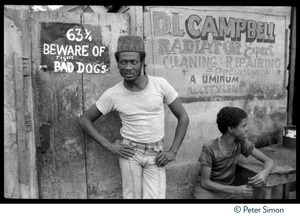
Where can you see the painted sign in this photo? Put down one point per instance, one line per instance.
(211, 55)
(73, 48)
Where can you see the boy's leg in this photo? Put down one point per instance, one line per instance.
(131, 172)
(201, 193)
(154, 180)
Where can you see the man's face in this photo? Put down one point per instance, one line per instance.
(240, 131)
(130, 65)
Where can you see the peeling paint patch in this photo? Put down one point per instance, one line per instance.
(267, 91)
(268, 138)
(45, 137)
(260, 112)
(278, 116)
(71, 143)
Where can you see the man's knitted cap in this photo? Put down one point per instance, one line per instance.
(130, 44)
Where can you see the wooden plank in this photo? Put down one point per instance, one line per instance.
(12, 43)
(148, 35)
(29, 105)
(103, 173)
(21, 137)
(61, 150)
(137, 22)
(43, 117)
(291, 115)
(67, 137)
(133, 20)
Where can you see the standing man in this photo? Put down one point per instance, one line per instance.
(139, 100)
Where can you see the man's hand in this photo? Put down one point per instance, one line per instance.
(122, 150)
(163, 158)
(244, 191)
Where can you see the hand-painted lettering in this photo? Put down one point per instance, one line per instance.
(233, 28)
(71, 54)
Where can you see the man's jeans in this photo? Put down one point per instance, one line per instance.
(141, 178)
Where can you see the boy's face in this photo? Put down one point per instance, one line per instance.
(240, 131)
(130, 65)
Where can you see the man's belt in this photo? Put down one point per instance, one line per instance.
(156, 146)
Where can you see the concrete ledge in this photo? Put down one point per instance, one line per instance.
(181, 179)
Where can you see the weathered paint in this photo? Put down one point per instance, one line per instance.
(70, 163)
(73, 48)
(209, 54)
(61, 150)
(261, 93)
(45, 137)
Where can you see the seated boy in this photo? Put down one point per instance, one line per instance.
(219, 158)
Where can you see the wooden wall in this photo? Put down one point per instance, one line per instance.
(70, 163)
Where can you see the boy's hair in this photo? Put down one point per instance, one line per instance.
(229, 117)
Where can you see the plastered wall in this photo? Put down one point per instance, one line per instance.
(216, 57)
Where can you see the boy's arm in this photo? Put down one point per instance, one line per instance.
(86, 122)
(241, 190)
(183, 120)
(260, 178)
